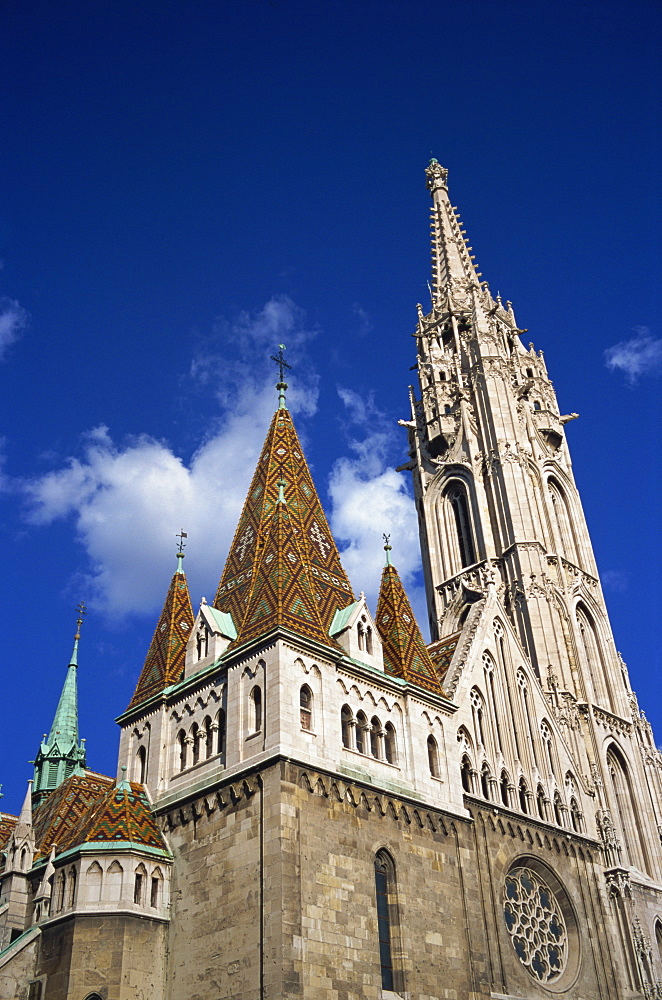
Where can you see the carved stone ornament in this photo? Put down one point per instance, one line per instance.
(437, 176)
(618, 882)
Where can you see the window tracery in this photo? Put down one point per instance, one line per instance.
(536, 924)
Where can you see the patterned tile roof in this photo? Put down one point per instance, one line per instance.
(62, 810)
(7, 824)
(164, 663)
(304, 529)
(405, 652)
(123, 813)
(441, 653)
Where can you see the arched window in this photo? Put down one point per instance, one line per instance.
(195, 740)
(561, 522)
(306, 707)
(658, 940)
(490, 687)
(71, 888)
(465, 773)
(526, 709)
(593, 660)
(220, 733)
(546, 737)
(346, 726)
(94, 882)
(387, 918)
(523, 798)
(114, 877)
(141, 761)
(202, 642)
(368, 640)
(536, 404)
(208, 737)
(139, 885)
(360, 634)
(540, 802)
(375, 737)
(59, 893)
(625, 807)
(433, 757)
(389, 744)
(256, 699)
(361, 732)
(457, 500)
(156, 885)
(504, 784)
(478, 712)
(485, 781)
(183, 749)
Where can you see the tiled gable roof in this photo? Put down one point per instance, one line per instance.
(58, 815)
(441, 653)
(164, 662)
(305, 525)
(123, 813)
(405, 652)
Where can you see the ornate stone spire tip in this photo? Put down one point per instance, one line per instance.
(437, 176)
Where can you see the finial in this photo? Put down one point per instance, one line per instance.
(281, 484)
(436, 175)
(282, 384)
(181, 545)
(82, 611)
(387, 548)
(123, 785)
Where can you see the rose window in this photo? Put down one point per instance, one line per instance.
(535, 924)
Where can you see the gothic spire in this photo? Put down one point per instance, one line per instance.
(164, 662)
(453, 271)
(405, 652)
(291, 539)
(61, 754)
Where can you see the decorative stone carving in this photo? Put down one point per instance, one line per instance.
(437, 176)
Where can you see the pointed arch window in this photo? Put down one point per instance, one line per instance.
(390, 752)
(94, 882)
(183, 749)
(593, 658)
(139, 885)
(575, 816)
(485, 781)
(561, 522)
(71, 888)
(59, 895)
(376, 737)
(208, 737)
(361, 732)
(220, 731)
(540, 802)
(523, 796)
(625, 807)
(346, 726)
(466, 774)
(458, 502)
(156, 885)
(546, 737)
(387, 919)
(256, 700)
(306, 708)
(141, 760)
(115, 875)
(504, 785)
(558, 810)
(195, 741)
(490, 687)
(433, 757)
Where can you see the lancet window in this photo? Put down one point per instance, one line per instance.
(490, 687)
(141, 761)
(561, 522)
(220, 731)
(527, 712)
(457, 504)
(523, 796)
(504, 786)
(71, 888)
(346, 726)
(256, 701)
(306, 707)
(361, 732)
(433, 757)
(540, 802)
(478, 713)
(208, 737)
(547, 742)
(625, 807)
(94, 882)
(387, 918)
(593, 657)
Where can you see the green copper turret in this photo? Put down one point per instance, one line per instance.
(61, 754)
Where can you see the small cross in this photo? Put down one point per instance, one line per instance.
(181, 536)
(281, 362)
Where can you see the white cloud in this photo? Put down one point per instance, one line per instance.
(615, 580)
(13, 320)
(128, 501)
(370, 499)
(365, 322)
(642, 355)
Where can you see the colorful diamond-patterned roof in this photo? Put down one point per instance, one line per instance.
(405, 652)
(7, 824)
(164, 663)
(246, 571)
(123, 813)
(441, 653)
(56, 818)
(282, 592)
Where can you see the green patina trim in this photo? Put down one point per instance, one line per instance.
(223, 621)
(90, 846)
(341, 618)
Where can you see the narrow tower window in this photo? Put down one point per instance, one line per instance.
(457, 499)
(389, 743)
(385, 889)
(306, 707)
(433, 757)
(346, 720)
(142, 764)
(256, 698)
(220, 736)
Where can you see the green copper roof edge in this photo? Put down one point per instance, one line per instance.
(341, 617)
(223, 620)
(91, 846)
(398, 681)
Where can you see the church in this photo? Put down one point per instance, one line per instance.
(310, 800)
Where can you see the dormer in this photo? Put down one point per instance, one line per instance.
(212, 633)
(355, 631)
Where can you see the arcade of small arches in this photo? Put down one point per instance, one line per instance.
(368, 737)
(201, 742)
(140, 884)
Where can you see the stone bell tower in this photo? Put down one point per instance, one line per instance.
(493, 478)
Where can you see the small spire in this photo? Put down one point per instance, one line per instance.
(123, 785)
(181, 545)
(25, 818)
(281, 384)
(387, 548)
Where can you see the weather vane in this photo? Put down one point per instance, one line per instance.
(81, 610)
(281, 362)
(181, 544)
(387, 541)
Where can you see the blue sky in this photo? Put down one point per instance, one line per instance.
(184, 185)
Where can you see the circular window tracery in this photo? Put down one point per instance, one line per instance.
(536, 925)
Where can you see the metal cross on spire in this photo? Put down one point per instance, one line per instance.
(81, 611)
(282, 366)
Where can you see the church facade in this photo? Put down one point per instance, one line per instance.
(313, 802)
